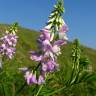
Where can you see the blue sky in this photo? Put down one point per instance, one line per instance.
(80, 16)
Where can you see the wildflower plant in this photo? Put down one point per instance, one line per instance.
(49, 43)
(8, 43)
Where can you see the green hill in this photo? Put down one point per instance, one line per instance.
(27, 42)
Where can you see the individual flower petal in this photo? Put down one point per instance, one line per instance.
(35, 56)
(49, 66)
(46, 45)
(60, 42)
(49, 54)
(3, 46)
(46, 34)
(64, 28)
(41, 80)
(30, 78)
(44, 67)
(33, 79)
(10, 52)
(56, 49)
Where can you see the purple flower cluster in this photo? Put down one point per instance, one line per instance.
(31, 78)
(49, 49)
(8, 44)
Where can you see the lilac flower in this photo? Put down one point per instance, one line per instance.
(9, 39)
(46, 34)
(49, 66)
(2, 48)
(62, 34)
(9, 52)
(49, 54)
(30, 78)
(46, 45)
(52, 50)
(41, 80)
(35, 56)
(33, 79)
(64, 28)
(60, 42)
(44, 67)
(8, 43)
(56, 49)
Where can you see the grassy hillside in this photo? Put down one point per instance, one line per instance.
(27, 42)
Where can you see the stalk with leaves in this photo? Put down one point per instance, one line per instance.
(52, 37)
(48, 46)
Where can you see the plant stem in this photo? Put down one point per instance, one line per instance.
(13, 87)
(41, 86)
(3, 89)
(39, 90)
(51, 94)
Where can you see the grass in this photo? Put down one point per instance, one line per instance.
(11, 79)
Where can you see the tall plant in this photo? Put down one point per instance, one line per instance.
(52, 37)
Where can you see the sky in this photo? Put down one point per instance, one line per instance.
(80, 16)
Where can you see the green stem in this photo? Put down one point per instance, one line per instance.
(13, 89)
(3, 89)
(51, 94)
(39, 90)
(41, 86)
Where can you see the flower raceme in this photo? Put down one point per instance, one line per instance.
(52, 37)
(31, 78)
(47, 54)
(8, 44)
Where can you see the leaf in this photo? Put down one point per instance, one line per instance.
(91, 77)
(84, 74)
